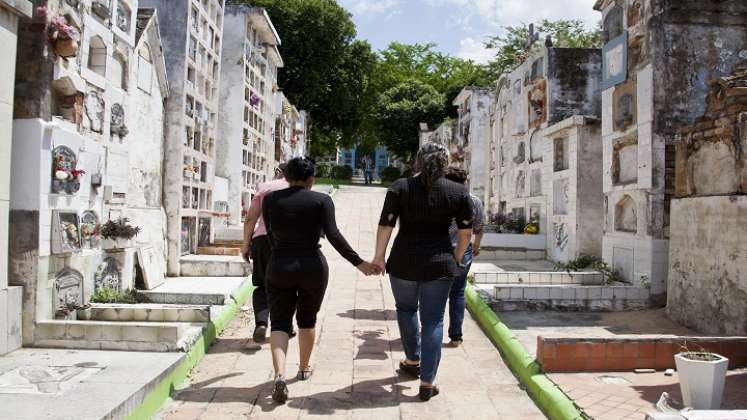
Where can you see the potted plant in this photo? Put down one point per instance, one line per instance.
(702, 376)
(119, 231)
(69, 311)
(83, 312)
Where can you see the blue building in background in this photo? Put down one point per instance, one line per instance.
(382, 158)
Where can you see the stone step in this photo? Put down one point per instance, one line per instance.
(148, 312)
(219, 250)
(588, 278)
(569, 297)
(490, 254)
(214, 266)
(108, 335)
(213, 291)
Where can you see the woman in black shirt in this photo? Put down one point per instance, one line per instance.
(423, 263)
(297, 273)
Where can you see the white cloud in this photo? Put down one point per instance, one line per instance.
(474, 50)
(370, 7)
(514, 12)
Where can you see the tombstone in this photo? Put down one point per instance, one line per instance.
(118, 127)
(150, 263)
(625, 164)
(535, 183)
(534, 213)
(560, 196)
(538, 68)
(560, 236)
(89, 229)
(613, 24)
(520, 183)
(123, 17)
(520, 153)
(94, 106)
(560, 152)
(68, 288)
(65, 174)
(626, 218)
(535, 147)
(537, 101)
(615, 61)
(108, 274)
(65, 232)
(204, 232)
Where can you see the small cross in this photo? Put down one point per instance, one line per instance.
(533, 37)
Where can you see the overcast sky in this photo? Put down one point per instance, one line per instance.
(459, 27)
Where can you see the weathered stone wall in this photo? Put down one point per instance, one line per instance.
(711, 156)
(574, 76)
(708, 270)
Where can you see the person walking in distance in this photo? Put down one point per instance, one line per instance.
(456, 296)
(257, 248)
(297, 275)
(368, 169)
(423, 264)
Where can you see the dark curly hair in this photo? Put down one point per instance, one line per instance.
(456, 174)
(431, 162)
(299, 169)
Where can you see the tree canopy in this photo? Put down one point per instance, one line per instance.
(511, 47)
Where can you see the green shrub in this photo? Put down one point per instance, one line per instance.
(343, 172)
(323, 170)
(390, 174)
(110, 295)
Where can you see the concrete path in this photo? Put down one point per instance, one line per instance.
(356, 356)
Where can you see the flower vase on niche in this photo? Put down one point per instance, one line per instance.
(118, 234)
(65, 175)
(64, 37)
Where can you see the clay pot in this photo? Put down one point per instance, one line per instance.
(66, 47)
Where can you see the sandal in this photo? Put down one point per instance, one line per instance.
(428, 392)
(305, 374)
(280, 391)
(412, 370)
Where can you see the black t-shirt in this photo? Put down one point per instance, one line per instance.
(422, 250)
(297, 217)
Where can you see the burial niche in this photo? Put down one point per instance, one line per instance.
(613, 24)
(535, 147)
(626, 218)
(118, 127)
(65, 232)
(89, 229)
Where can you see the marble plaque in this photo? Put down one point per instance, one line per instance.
(152, 267)
(68, 288)
(615, 61)
(108, 274)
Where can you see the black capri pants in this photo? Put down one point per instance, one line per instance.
(296, 284)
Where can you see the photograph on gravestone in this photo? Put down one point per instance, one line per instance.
(108, 274)
(624, 105)
(68, 288)
(65, 232)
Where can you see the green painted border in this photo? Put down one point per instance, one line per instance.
(164, 389)
(548, 397)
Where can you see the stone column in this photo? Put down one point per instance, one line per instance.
(10, 297)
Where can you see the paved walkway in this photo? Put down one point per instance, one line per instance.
(356, 356)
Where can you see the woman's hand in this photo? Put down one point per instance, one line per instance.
(368, 268)
(246, 252)
(380, 264)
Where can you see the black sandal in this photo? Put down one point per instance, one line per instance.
(280, 391)
(412, 370)
(305, 374)
(428, 392)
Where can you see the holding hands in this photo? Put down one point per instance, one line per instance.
(373, 268)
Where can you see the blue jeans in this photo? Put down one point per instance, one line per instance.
(428, 298)
(456, 298)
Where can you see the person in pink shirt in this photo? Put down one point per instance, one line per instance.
(257, 248)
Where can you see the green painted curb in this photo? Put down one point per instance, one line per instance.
(548, 397)
(164, 389)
